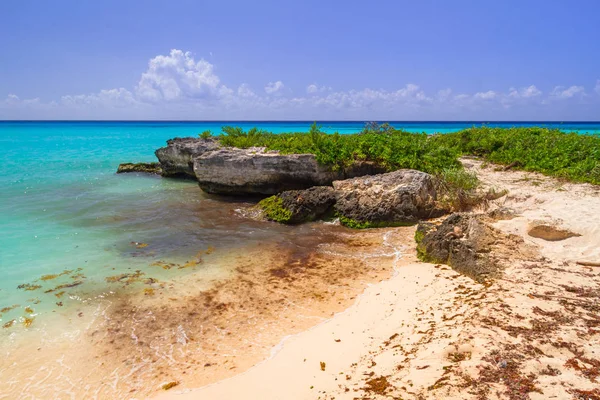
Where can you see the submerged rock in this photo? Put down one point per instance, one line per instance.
(234, 171)
(176, 159)
(149, 168)
(297, 206)
(463, 241)
(400, 197)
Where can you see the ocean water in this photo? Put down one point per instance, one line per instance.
(81, 247)
(64, 208)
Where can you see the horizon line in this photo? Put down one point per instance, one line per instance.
(301, 121)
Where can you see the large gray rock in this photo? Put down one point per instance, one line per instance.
(176, 159)
(300, 205)
(398, 197)
(234, 171)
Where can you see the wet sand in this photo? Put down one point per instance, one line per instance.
(431, 333)
(198, 328)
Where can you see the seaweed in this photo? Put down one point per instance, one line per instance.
(29, 287)
(9, 323)
(170, 385)
(27, 321)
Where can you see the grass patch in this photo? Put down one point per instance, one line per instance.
(571, 156)
(274, 210)
(383, 145)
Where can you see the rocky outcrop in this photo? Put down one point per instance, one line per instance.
(400, 197)
(463, 241)
(234, 171)
(297, 206)
(176, 159)
(149, 168)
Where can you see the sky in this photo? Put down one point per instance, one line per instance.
(301, 60)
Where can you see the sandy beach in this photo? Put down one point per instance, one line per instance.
(431, 333)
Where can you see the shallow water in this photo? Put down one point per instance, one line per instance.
(97, 267)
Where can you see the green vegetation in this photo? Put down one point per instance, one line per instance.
(354, 224)
(381, 144)
(570, 156)
(274, 210)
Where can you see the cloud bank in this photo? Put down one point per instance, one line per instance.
(177, 86)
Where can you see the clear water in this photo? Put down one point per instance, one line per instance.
(64, 208)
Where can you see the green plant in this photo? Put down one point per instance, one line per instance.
(570, 156)
(274, 210)
(206, 134)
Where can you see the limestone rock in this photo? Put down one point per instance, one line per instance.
(463, 241)
(234, 171)
(307, 205)
(149, 168)
(176, 159)
(398, 197)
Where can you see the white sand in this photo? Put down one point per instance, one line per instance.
(435, 334)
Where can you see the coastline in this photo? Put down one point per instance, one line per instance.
(432, 333)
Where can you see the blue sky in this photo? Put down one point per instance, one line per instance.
(388, 60)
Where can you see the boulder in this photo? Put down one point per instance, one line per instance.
(297, 206)
(394, 198)
(176, 159)
(234, 171)
(462, 241)
(149, 168)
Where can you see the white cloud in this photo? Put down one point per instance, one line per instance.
(178, 76)
(177, 85)
(120, 97)
(489, 95)
(566, 93)
(312, 89)
(526, 92)
(274, 87)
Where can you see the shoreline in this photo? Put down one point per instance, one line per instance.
(491, 334)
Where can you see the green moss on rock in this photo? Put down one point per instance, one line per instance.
(274, 210)
(354, 224)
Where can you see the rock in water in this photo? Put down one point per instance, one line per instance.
(149, 168)
(394, 198)
(176, 159)
(234, 171)
(297, 206)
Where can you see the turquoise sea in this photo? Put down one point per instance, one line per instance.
(72, 232)
(63, 206)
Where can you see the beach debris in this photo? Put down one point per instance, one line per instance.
(50, 277)
(9, 323)
(379, 385)
(7, 309)
(169, 385)
(588, 263)
(64, 286)
(27, 321)
(322, 366)
(29, 287)
(127, 278)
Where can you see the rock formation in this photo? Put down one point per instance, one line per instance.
(149, 168)
(398, 197)
(176, 159)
